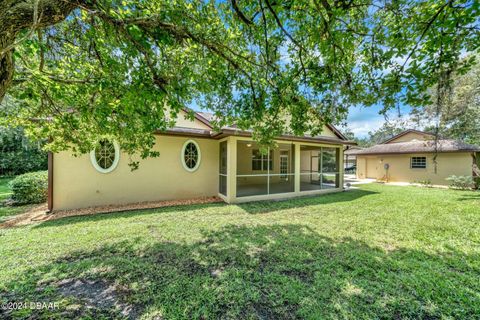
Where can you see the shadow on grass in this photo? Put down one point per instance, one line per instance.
(250, 207)
(276, 205)
(474, 195)
(263, 272)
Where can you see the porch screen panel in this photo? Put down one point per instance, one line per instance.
(261, 173)
(252, 169)
(222, 184)
(310, 168)
(330, 168)
(319, 168)
(282, 177)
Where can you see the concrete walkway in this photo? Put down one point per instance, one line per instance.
(352, 179)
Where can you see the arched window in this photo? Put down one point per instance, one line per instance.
(191, 155)
(105, 156)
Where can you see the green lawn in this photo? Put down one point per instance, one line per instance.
(376, 252)
(4, 188)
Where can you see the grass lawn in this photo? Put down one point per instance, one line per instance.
(375, 252)
(4, 188)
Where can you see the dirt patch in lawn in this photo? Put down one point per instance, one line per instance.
(40, 214)
(35, 213)
(97, 294)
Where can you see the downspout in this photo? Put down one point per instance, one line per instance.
(50, 182)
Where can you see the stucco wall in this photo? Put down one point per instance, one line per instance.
(400, 171)
(182, 121)
(77, 184)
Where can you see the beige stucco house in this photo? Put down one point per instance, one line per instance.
(196, 161)
(410, 157)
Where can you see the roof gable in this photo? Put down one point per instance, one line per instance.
(410, 135)
(199, 122)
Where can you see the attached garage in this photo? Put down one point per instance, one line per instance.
(372, 168)
(414, 156)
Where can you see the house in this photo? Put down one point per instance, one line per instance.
(196, 161)
(350, 157)
(415, 156)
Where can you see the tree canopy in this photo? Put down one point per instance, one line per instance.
(92, 68)
(459, 118)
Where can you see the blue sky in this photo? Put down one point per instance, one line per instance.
(361, 120)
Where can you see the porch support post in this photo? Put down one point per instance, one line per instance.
(341, 167)
(231, 169)
(297, 167)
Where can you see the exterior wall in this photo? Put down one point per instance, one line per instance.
(328, 133)
(412, 136)
(181, 121)
(399, 171)
(77, 184)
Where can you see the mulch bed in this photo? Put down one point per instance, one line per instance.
(39, 213)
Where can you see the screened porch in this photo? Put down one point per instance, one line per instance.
(289, 168)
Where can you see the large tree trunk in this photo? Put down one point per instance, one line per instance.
(16, 16)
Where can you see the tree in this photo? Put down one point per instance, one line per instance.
(18, 154)
(460, 117)
(93, 68)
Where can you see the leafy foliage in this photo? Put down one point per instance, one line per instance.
(30, 187)
(18, 154)
(461, 182)
(124, 68)
(459, 118)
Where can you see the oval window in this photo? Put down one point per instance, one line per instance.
(105, 156)
(191, 155)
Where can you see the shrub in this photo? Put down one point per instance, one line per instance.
(30, 187)
(461, 182)
(424, 183)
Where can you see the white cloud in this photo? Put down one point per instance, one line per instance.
(361, 127)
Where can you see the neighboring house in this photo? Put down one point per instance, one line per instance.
(350, 157)
(195, 161)
(415, 156)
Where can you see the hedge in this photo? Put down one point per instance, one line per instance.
(30, 187)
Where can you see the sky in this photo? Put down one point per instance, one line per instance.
(361, 120)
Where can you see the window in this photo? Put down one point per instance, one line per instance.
(191, 156)
(418, 162)
(105, 156)
(262, 162)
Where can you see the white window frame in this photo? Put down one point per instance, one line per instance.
(411, 162)
(182, 157)
(93, 159)
(263, 157)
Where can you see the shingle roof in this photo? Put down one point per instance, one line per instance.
(352, 150)
(207, 115)
(415, 146)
